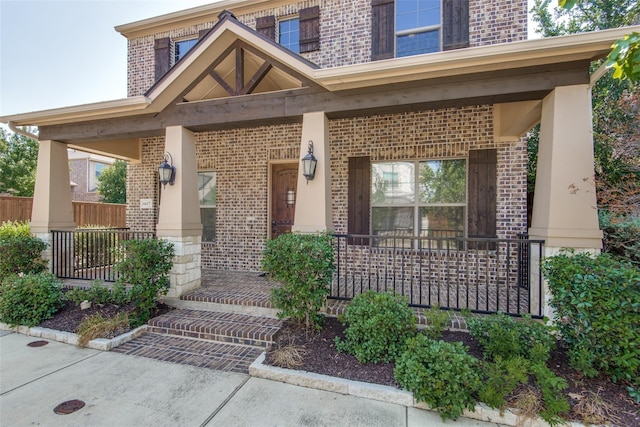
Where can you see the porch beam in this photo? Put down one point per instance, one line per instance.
(290, 105)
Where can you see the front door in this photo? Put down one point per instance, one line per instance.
(284, 179)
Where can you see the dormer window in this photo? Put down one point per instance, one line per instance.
(289, 34)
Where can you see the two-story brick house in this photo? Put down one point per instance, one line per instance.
(415, 109)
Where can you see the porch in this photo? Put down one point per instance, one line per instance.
(454, 273)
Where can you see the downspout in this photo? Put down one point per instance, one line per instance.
(22, 132)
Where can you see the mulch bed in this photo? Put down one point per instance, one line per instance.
(322, 357)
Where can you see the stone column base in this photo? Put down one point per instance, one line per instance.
(185, 275)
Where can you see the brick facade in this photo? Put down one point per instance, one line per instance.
(241, 158)
(345, 33)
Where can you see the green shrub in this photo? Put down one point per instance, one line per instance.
(551, 386)
(437, 322)
(145, 266)
(304, 265)
(377, 327)
(502, 377)
(439, 373)
(597, 307)
(100, 294)
(10, 229)
(21, 254)
(621, 235)
(503, 336)
(30, 299)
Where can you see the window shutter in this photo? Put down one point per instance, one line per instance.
(359, 195)
(309, 29)
(455, 24)
(382, 29)
(482, 193)
(162, 49)
(266, 25)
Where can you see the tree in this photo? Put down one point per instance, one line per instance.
(18, 161)
(625, 53)
(615, 111)
(112, 183)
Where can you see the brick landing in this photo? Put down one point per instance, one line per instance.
(194, 352)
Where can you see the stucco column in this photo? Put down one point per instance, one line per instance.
(52, 207)
(179, 214)
(313, 201)
(564, 208)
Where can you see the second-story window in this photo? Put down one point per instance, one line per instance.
(181, 48)
(418, 24)
(289, 34)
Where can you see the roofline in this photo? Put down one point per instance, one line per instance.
(585, 46)
(194, 15)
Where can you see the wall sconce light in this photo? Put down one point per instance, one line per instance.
(167, 171)
(309, 163)
(291, 197)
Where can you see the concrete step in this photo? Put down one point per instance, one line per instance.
(231, 328)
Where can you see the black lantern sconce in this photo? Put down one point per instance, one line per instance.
(309, 163)
(167, 171)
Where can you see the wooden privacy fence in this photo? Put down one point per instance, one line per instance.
(84, 213)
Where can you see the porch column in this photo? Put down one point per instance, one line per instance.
(179, 213)
(565, 213)
(52, 208)
(313, 201)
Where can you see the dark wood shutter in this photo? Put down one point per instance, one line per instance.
(482, 193)
(266, 25)
(359, 197)
(382, 29)
(309, 29)
(162, 49)
(455, 24)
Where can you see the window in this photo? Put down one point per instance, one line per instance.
(289, 34)
(95, 170)
(417, 27)
(425, 198)
(181, 48)
(207, 190)
(412, 27)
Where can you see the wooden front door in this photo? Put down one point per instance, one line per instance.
(284, 178)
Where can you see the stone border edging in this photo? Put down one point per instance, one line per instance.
(381, 393)
(102, 344)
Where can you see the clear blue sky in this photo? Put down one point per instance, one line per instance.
(57, 53)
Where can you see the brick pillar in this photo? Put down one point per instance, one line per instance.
(179, 215)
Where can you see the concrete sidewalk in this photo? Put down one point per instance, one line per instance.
(122, 391)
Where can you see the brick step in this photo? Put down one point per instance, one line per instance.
(194, 352)
(233, 328)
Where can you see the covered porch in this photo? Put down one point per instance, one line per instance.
(233, 79)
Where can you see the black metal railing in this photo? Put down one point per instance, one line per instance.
(481, 275)
(90, 254)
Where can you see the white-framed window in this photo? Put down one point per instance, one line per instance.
(419, 198)
(207, 193)
(95, 170)
(289, 33)
(418, 26)
(181, 47)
